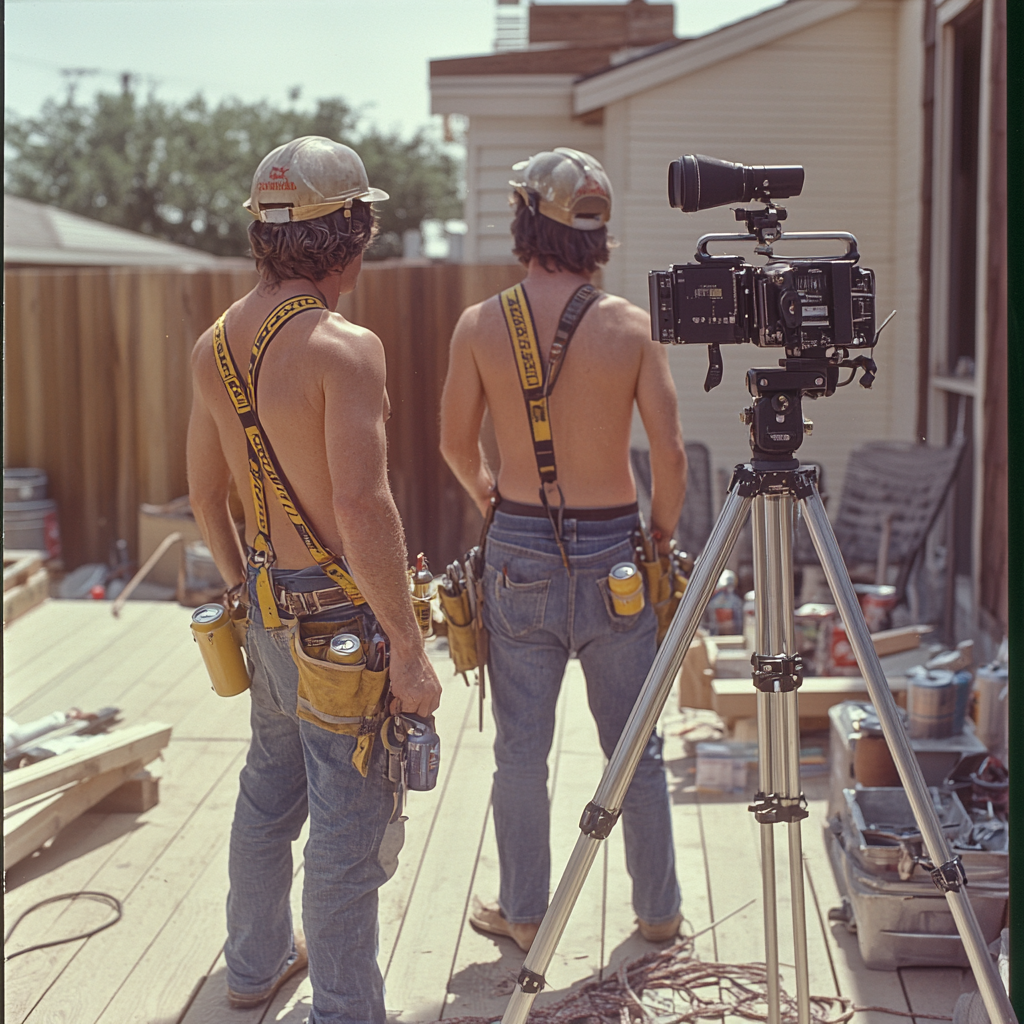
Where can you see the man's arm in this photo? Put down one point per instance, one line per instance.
(659, 410)
(365, 512)
(462, 411)
(209, 483)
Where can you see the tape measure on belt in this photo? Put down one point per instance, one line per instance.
(263, 462)
(538, 383)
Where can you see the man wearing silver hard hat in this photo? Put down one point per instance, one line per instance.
(290, 404)
(564, 514)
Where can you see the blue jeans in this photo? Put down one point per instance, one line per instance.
(293, 769)
(537, 615)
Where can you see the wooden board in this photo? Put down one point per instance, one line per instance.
(99, 755)
(26, 830)
(115, 854)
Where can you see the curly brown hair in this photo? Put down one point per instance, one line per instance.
(556, 246)
(311, 248)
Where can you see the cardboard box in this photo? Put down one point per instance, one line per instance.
(155, 523)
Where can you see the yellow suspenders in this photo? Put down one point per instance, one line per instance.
(263, 462)
(537, 384)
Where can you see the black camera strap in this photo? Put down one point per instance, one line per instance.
(538, 383)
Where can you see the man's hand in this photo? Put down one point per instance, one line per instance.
(414, 685)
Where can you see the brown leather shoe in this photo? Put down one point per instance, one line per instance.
(245, 1001)
(664, 931)
(487, 917)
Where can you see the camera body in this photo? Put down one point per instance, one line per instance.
(798, 304)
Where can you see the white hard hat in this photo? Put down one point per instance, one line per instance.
(316, 176)
(566, 185)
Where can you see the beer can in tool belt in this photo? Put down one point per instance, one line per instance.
(345, 649)
(627, 588)
(422, 752)
(218, 644)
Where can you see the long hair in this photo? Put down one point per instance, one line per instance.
(311, 248)
(556, 246)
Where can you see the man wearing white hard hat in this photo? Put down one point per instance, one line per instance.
(565, 512)
(290, 404)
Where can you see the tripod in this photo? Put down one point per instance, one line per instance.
(768, 488)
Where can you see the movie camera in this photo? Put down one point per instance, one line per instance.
(817, 309)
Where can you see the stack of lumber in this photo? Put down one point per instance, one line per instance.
(41, 798)
(26, 582)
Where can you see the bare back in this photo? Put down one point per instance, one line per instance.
(592, 405)
(293, 411)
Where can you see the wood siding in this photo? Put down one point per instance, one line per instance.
(834, 98)
(493, 145)
(98, 388)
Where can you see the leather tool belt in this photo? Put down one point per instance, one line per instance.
(311, 602)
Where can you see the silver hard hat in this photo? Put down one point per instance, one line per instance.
(316, 176)
(568, 186)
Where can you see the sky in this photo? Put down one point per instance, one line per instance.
(373, 53)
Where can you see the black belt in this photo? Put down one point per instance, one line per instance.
(515, 508)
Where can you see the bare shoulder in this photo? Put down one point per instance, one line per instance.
(480, 319)
(625, 319)
(338, 345)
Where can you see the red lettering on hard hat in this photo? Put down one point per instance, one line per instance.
(278, 172)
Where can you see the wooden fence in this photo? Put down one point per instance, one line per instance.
(98, 388)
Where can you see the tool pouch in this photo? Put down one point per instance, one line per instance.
(661, 588)
(346, 699)
(461, 630)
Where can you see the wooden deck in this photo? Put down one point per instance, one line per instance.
(162, 963)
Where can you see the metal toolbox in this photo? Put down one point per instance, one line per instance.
(908, 924)
(879, 832)
(938, 758)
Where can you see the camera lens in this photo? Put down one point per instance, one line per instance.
(697, 182)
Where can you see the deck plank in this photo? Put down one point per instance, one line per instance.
(933, 990)
(34, 983)
(425, 947)
(51, 681)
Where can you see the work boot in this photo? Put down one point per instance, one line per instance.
(487, 917)
(664, 931)
(245, 1001)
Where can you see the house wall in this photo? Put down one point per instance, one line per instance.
(493, 145)
(841, 98)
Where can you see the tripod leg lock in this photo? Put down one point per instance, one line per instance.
(530, 982)
(596, 822)
(777, 674)
(771, 809)
(950, 877)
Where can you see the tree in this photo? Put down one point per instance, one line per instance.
(181, 172)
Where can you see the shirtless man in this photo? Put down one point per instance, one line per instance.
(322, 407)
(538, 608)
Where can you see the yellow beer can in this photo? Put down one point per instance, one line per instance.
(218, 644)
(345, 649)
(627, 588)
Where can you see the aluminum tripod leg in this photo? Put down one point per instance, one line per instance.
(619, 773)
(778, 740)
(996, 1000)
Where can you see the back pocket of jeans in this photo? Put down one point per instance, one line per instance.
(618, 623)
(518, 608)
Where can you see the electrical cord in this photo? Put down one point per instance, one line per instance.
(100, 897)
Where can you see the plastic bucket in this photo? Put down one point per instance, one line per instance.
(24, 485)
(32, 526)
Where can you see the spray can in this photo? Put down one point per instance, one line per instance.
(421, 594)
(345, 649)
(422, 751)
(218, 643)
